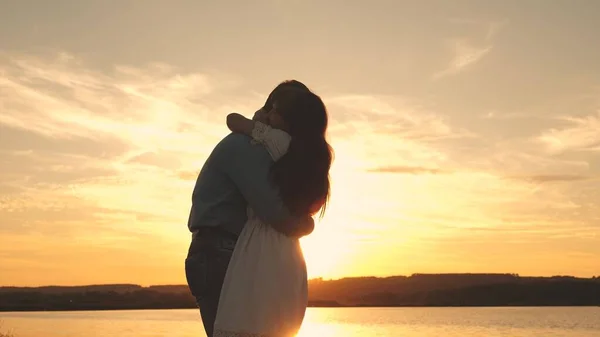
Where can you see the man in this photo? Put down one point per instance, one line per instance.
(235, 175)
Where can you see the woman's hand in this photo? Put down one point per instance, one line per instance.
(306, 226)
(261, 116)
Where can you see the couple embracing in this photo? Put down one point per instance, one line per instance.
(256, 195)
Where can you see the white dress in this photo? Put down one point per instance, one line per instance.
(265, 292)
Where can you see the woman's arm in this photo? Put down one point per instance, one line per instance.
(240, 124)
(276, 141)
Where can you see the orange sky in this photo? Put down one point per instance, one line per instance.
(467, 137)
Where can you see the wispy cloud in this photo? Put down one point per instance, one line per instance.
(467, 51)
(96, 154)
(63, 98)
(579, 134)
(407, 170)
(465, 54)
(549, 178)
(188, 175)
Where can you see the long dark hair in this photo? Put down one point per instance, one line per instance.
(285, 85)
(302, 174)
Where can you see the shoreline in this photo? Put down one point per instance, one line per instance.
(323, 307)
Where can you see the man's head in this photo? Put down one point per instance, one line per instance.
(285, 85)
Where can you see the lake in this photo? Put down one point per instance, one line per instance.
(323, 322)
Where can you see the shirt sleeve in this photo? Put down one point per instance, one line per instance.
(248, 166)
(276, 141)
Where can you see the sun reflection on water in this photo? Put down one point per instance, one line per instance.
(312, 329)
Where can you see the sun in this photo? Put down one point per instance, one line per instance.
(322, 259)
(330, 249)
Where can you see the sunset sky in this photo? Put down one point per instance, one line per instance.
(467, 133)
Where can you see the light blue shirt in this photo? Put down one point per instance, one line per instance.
(235, 175)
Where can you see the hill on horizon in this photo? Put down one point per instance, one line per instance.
(423, 278)
(413, 290)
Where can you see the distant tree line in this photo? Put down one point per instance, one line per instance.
(557, 293)
(94, 300)
(414, 290)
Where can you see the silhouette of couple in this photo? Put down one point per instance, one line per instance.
(255, 196)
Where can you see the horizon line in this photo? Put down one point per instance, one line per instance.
(311, 279)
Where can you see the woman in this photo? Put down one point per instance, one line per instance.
(265, 288)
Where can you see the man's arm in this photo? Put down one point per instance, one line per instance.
(248, 166)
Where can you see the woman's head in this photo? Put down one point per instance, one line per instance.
(302, 174)
(285, 85)
(300, 113)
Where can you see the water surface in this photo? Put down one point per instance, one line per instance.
(323, 322)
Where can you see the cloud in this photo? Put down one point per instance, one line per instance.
(64, 99)
(397, 116)
(389, 131)
(89, 160)
(91, 151)
(407, 170)
(421, 198)
(549, 178)
(579, 134)
(466, 51)
(465, 55)
(157, 159)
(188, 175)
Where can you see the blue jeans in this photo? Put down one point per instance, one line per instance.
(205, 267)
